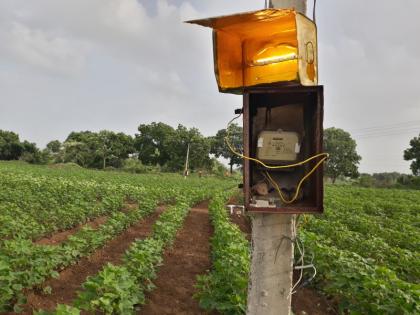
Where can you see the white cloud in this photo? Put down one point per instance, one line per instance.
(47, 51)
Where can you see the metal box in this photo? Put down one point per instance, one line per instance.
(272, 46)
(296, 109)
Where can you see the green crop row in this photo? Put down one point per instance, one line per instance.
(366, 249)
(224, 288)
(36, 201)
(385, 206)
(405, 263)
(24, 264)
(35, 206)
(367, 225)
(118, 289)
(360, 286)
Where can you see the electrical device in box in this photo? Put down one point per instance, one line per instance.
(278, 146)
(283, 126)
(263, 47)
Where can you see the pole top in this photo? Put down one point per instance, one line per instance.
(298, 5)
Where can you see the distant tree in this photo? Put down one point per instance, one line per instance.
(219, 147)
(343, 159)
(80, 147)
(114, 148)
(386, 179)
(54, 146)
(151, 143)
(161, 144)
(29, 147)
(53, 152)
(30, 152)
(217, 167)
(366, 180)
(413, 154)
(10, 146)
(97, 150)
(77, 152)
(177, 146)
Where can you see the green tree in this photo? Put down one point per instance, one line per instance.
(54, 146)
(366, 180)
(53, 152)
(219, 147)
(160, 144)
(77, 152)
(114, 148)
(151, 143)
(413, 154)
(31, 153)
(177, 146)
(97, 150)
(10, 146)
(80, 147)
(217, 167)
(343, 160)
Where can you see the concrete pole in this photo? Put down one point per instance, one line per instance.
(271, 278)
(298, 5)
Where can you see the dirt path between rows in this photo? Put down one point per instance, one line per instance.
(64, 288)
(189, 257)
(61, 236)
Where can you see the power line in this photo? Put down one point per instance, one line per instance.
(411, 123)
(386, 133)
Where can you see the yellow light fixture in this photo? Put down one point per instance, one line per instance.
(263, 47)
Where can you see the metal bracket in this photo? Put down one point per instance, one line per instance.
(232, 209)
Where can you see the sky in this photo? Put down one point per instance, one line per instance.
(114, 64)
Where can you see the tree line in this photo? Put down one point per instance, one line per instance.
(162, 147)
(156, 145)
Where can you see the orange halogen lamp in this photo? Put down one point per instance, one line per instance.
(263, 47)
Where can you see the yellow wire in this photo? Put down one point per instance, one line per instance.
(325, 156)
(298, 186)
(260, 162)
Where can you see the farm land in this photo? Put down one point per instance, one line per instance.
(78, 241)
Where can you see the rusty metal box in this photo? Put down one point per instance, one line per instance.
(296, 109)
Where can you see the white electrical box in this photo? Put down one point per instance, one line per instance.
(277, 146)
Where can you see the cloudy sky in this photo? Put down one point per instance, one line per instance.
(112, 64)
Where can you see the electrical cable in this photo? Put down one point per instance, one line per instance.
(326, 155)
(299, 184)
(302, 257)
(284, 200)
(413, 123)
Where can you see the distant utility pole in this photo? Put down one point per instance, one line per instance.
(271, 276)
(187, 162)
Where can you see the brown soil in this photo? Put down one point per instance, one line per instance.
(308, 301)
(60, 237)
(64, 288)
(129, 205)
(189, 257)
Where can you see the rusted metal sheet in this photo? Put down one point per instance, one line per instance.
(263, 47)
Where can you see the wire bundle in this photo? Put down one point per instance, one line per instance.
(270, 179)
